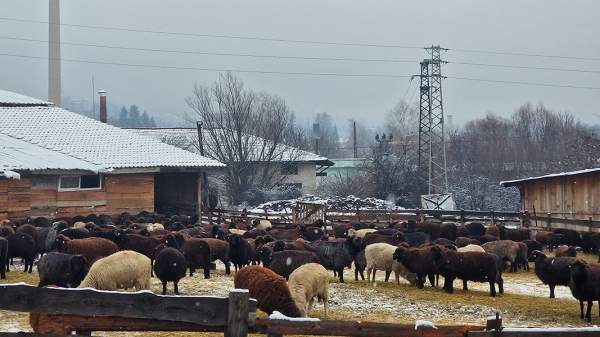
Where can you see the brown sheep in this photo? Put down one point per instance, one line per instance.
(493, 230)
(372, 238)
(270, 290)
(418, 261)
(285, 234)
(548, 238)
(563, 250)
(91, 248)
(219, 250)
(463, 241)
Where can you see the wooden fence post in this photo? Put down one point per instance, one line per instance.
(462, 216)
(590, 219)
(494, 323)
(493, 217)
(549, 220)
(237, 313)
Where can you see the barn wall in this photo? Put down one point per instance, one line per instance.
(177, 192)
(573, 197)
(131, 193)
(15, 198)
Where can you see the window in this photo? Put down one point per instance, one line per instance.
(289, 169)
(75, 183)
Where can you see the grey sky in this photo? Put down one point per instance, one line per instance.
(544, 27)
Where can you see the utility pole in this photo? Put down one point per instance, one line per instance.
(432, 145)
(54, 86)
(354, 139)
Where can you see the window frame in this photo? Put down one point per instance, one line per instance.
(288, 167)
(74, 189)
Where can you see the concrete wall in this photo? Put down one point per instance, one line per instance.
(307, 176)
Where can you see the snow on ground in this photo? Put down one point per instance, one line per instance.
(349, 203)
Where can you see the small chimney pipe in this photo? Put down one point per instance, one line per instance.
(103, 115)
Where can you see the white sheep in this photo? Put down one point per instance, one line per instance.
(360, 233)
(236, 231)
(470, 248)
(121, 270)
(151, 227)
(264, 225)
(79, 225)
(307, 282)
(379, 256)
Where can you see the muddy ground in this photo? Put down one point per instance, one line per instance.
(525, 302)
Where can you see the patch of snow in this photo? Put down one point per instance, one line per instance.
(348, 203)
(422, 324)
(279, 316)
(10, 174)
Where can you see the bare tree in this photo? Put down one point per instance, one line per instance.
(247, 131)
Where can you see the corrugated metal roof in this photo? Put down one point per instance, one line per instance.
(553, 175)
(89, 140)
(187, 138)
(9, 98)
(16, 154)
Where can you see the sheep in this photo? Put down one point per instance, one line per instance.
(240, 251)
(121, 270)
(470, 248)
(3, 257)
(508, 250)
(63, 270)
(285, 234)
(360, 264)
(196, 252)
(254, 233)
(235, 231)
(285, 262)
(28, 229)
(570, 237)
(152, 227)
(307, 282)
(585, 285)
(475, 228)
(514, 234)
(553, 271)
(563, 250)
(416, 239)
(312, 233)
(22, 245)
(448, 230)
(262, 224)
(40, 243)
(469, 266)
(380, 257)
(79, 225)
(298, 244)
(219, 250)
(533, 245)
(418, 261)
(336, 255)
(360, 233)
(372, 238)
(53, 232)
(340, 230)
(493, 230)
(6, 231)
(169, 265)
(444, 242)
(462, 241)
(118, 236)
(432, 229)
(91, 248)
(269, 289)
(75, 233)
(549, 239)
(523, 255)
(143, 245)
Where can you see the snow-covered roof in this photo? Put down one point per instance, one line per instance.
(508, 183)
(9, 98)
(19, 155)
(187, 138)
(91, 141)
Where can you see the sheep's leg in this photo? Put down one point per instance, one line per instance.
(431, 278)
(588, 313)
(152, 268)
(206, 271)
(387, 275)
(191, 270)
(465, 285)
(397, 277)
(448, 284)
(355, 274)
(581, 309)
(325, 300)
(500, 285)
(369, 270)
(227, 267)
(374, 271)
(176, 286)
(164, 284)
(341, 273)
(492, 288)
(551, 290)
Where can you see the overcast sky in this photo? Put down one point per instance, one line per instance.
(537, 27)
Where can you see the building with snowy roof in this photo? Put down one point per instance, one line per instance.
(54, 162)
(296, 168)
(568, 195)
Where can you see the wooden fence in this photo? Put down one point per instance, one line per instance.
(60, 312)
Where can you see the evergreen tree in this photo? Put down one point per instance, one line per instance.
(123, 117)
(134, 116)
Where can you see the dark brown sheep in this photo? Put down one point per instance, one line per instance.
(254, 233)
(563, 250)
(285, 234)
(419, 261)
(285, 262)
(464, 241)
(219, 250)
(553, 271)
(372, 238)
(340, 230)
(468, 266)
(515, 234)
(585, 285)
(269, 289)
(91, 248)
(28, 229)
(548, 239)
(195, 250)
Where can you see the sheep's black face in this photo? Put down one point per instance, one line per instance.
(578, 270)
(535, 255)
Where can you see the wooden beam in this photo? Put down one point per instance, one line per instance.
(203, 310)
(357, 329)
(32, 334)
(237, 313)
(539, 332)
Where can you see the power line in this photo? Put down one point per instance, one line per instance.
(213, 53)
(269, 39)
(326, 74)
(221, 36)
(293, 57)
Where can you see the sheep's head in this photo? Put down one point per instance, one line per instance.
(536, 255)
(399, 253)
(60, 241)
(171, 241)
(578, 269)
(279, 246)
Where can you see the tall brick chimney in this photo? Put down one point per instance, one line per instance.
(103, 116)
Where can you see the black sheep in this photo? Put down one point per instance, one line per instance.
(475, 228)
(553, 271)
(63, 270)
(75, 233)
(42, 234)
(336, 255)
(468, 266)
(169, 266)
(285, 262)
(312, 233)
(533, 245)
(240, 251)
(196, 252)
(585, 285)
(449, 230)
(515, 234)
(416, 239)
(3, 257)
(117, 236)
(570, 237)
(22, 245)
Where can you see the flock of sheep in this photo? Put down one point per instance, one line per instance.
(286, 269)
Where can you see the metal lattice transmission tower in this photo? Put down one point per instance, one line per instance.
(432, 144)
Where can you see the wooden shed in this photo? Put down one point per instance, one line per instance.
(567, 195)
(57, 163)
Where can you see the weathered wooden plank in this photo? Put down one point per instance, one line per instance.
(357, 329)
(237, 313)
(537, 333)
(33, 334)
(88, 302)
